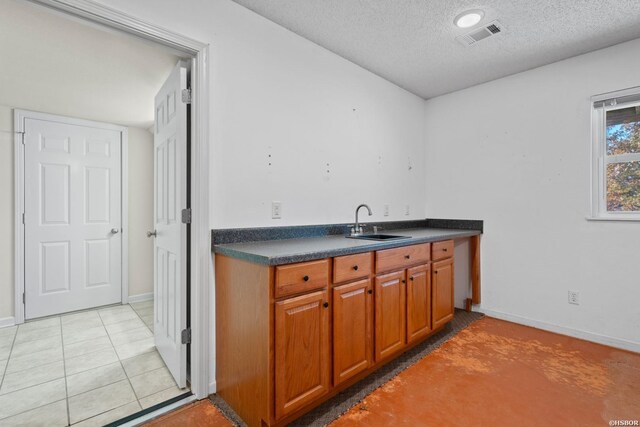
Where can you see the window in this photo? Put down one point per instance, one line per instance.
(616, 156)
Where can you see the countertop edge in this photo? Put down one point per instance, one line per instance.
(374, 246)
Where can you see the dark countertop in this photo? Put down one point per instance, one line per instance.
(277, 252)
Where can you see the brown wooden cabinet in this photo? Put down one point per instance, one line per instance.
(442, 284)
(418, 302)
(290, 336)
(352, 329)
(302, 357)
(390, 300)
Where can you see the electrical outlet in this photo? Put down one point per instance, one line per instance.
(386, 210)
(574, 297)
(407, 210)
(276, 210)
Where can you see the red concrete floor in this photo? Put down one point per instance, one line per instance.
(199, 414)
(493, 373)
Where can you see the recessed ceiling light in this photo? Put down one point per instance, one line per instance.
(468, 18)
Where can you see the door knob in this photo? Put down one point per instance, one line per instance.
(114, 231)
(153, 233)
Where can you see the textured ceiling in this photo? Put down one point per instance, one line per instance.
(412, 42)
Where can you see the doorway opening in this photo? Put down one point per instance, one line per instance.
(102, 224)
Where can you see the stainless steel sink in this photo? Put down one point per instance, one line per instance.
(379, 237)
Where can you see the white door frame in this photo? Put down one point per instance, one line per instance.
(201, 266)
(19, 117)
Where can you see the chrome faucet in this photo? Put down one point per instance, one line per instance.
(357, 228)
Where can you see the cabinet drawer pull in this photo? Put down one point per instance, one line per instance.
(355, 267)
(445, 249)
(305, 278)
(325, 305)
(407, 257)
(370, 291)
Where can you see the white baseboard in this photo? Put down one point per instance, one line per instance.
(212, 387)
(141, 297)
(7, 321)
(562, 330)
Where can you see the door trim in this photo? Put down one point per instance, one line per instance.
(19, 117)
(201, 268)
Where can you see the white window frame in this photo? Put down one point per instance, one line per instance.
(599, 158)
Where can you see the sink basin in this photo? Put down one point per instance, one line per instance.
(379, 237)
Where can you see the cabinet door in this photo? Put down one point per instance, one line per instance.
(390, 314)
(302, 365)
(352, 324)
(442, 294)
(418, 302)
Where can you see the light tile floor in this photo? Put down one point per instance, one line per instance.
(83, 369)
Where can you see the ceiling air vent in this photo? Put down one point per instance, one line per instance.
(482, 33)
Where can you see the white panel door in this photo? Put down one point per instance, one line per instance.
(72, 217)
(170, 248)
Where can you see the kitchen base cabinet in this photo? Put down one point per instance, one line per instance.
(418, 302)
(391, 314)
(352, 325)
(291, 336)
(302, 361)
(443, 285)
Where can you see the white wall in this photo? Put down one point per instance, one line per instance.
(515, 152)
(38, 47)
(140, 211)
(274, 93)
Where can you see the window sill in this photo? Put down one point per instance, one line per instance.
(614, 219)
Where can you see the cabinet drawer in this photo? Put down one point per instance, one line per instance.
(442, 250)
(296, 278)
(351, 267)
(392, 259)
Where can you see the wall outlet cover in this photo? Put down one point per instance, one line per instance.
(574, 297)
(276, 210)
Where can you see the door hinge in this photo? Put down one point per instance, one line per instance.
(186, 96)
(186, 216)
(186, 336)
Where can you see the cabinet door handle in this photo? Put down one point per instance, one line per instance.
(445, 249)
(305, 278)
(411, 278)
(355, 267)
(403, 281)
(325, 305)
(370, 291)
(407, 256)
